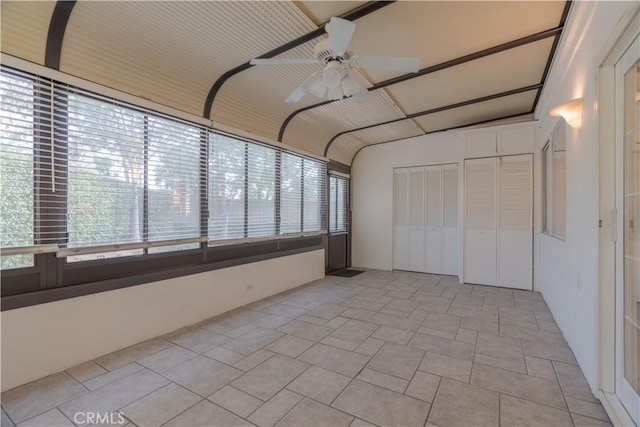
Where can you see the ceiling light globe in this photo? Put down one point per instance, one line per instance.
(350, 84)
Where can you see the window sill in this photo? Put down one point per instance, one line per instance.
(220, 258)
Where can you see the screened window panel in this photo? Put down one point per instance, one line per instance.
(226, 187)
(313, 198)
(173, 181)
(17, 165)
(106, 172)
(291, 188)
(261, 185)
(338, 204)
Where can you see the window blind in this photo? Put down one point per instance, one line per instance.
(338, 204)
(258, 192)
(291, 189)
(20, 97)
(89, 177)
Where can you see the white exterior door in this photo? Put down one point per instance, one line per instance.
(627, 372)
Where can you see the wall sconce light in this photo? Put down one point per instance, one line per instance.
(570, 111)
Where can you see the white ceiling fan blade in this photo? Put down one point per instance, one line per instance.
(304, 87)
(396, 63)
(278, 61)
(340, 33)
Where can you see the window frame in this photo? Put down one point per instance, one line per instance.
(342, 216)
(549, 185)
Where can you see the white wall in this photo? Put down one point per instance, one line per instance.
(47, 338)
(567, 271)
(372, 191)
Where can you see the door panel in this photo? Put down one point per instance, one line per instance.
(450, 251)
(337, 252)
(434, 250)
(401, 230)
(628, 245)
(515, 222)
(416, 220)
(480, 232)
(450, 219)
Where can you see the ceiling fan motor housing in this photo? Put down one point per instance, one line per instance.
(322, 52)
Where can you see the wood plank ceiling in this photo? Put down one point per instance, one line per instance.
(480, 61)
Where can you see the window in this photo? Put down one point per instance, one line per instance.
(554, 184)
(133, 178)
(338, 204)
(261, 190)
(87, 177)
(173, 183)
(291, 188)
(106, 175)
(313, 194)
(17, 166)
(226, 187)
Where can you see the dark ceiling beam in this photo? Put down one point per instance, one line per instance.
(552, 53)
(352, 15)
(482, 122)
(436, 110)
(57, 27)
(532, 38)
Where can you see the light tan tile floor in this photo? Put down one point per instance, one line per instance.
(381, 348)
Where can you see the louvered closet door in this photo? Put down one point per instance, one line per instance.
(480, 231)
(433, 177)
(416, 219)
(450, 219)
(401, 219)
(515, 222)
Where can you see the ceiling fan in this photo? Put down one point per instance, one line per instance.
(338, 79)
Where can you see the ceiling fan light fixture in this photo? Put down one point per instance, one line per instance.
(350, 84)
(335, 93)
(333, 74)
(318, 88)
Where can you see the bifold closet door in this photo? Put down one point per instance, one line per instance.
(480, 231)
(450, 219)
(499, 221)
(416, 219)
(401, 219)
(433, 196)
(515, 222)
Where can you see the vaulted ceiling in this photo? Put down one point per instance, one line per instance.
(480, 61)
